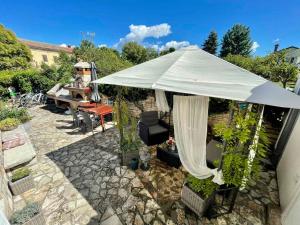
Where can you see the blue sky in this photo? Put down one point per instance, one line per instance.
(182, 21)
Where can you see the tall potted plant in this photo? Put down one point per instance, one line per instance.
(241, 136)
(21, 181)
(127, 125)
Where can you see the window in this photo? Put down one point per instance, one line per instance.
(45, 58)
(55, 58)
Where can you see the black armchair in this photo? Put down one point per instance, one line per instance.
(152, 131)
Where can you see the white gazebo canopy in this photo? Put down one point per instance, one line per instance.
(194, 71)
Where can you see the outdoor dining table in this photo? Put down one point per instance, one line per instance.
(97, 109)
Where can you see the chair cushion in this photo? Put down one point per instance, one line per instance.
(157, 129)
(149, 118)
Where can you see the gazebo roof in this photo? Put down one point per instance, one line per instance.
(194, 71)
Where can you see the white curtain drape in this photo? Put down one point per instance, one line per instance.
(190, 114)
(161, 101)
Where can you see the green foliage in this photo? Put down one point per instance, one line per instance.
(274, 66)
(20, 79)
(167, 51)
(12, 112)
(236, 41)
(281, 69)
(13, 54)
(151, 53)
(134, 53)
(20, 173)
(38, 80)
(107, 61)
(127, 126)
(204, 187)
(211, 43)
(9, 123)
(22, 216)
(238, 137)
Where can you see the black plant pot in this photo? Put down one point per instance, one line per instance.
(134, 164)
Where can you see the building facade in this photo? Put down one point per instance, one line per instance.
(44, 52)
(293, 55)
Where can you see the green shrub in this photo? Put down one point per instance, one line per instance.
(18, 113)
(9, 123)
(22, 216)
(5, 81)
(20, 173)
(204, 187)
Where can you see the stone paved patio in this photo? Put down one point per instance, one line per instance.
(79, 181)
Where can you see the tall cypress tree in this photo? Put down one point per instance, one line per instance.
(236, 41)
(211, 43)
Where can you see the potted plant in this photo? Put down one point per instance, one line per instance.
(130, 151)
(242, 137)
(31, 214)
(127, 125)
(198, 194)
(240, 141)
(21, 181)
(9, 124)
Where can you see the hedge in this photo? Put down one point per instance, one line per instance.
(24, 81)
(21, 80)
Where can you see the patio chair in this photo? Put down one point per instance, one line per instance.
(89, 121)
(152, 131)
(77, 119)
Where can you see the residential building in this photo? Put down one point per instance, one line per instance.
(293, 55)
(44, 52)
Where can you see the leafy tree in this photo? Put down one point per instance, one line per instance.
(274, 66)
(151, 53)
(236, 41)
(134, 53)
(167, 51)
(281, 69)
(211, 43)
(257, 65)
(86, 51)
(13, 54)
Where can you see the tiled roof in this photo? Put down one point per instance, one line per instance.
(46, 46)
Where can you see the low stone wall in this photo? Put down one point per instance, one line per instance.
(147, 105)
(6, 199)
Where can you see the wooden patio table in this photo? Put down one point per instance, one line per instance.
(98, 109)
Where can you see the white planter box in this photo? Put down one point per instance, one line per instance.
(22, 185)
(194, 201)
(36, 220)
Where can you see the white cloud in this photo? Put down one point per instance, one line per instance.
(254, 46)
(174, 44)
(63, 45)
(139, 32)
(102, 45)
(276, 41)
